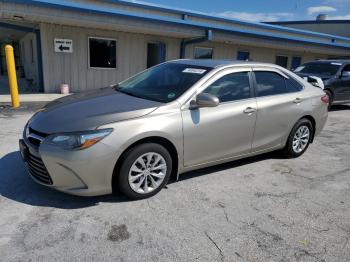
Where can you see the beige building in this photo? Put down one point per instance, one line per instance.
(91, 44)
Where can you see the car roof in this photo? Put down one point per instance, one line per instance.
(213, 63)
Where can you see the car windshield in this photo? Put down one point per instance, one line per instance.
(163, 83)
(328, 69)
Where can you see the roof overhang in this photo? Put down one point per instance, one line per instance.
(241, 28)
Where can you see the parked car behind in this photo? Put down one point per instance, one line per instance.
(335, 75)
(167, 120)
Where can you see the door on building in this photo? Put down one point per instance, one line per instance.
(24, 41)
(282, 60)
(156, 54)
(296, 62)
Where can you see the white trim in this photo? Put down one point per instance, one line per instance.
(116, 53)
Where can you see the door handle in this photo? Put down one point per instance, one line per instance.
(297, 100)
(249, 110)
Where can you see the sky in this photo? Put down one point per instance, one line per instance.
(263, 10)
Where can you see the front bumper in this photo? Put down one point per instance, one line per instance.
(85, 172)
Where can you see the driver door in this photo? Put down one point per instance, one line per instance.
(225, 131)
(342, 86)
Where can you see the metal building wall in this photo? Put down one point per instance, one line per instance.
(72, 68)
(29, 58)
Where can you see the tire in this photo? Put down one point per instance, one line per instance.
(330, 96)
(139, 175)
(303, 126)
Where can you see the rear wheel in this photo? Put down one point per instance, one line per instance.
(330, 97)
(145, 170)
(299, 139)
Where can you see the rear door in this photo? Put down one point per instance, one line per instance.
(225, 131)
(280, 104)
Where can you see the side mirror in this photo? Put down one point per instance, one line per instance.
(204, 100)
(315, 81)
(345, 74)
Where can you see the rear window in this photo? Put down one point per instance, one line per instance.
(269, 83)
(293, 85)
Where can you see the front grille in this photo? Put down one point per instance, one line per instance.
(34, 141)
(35, 137)
(38, 170)
(31, 130)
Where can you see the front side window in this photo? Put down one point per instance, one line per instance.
(231, 87)
(346, 68)
(269, 83)
(102, 53)
(203, 53)
(163, 83)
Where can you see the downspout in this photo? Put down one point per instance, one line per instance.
(185, 42)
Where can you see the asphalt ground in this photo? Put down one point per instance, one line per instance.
(264, 208)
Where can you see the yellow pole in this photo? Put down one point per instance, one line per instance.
(11, 69)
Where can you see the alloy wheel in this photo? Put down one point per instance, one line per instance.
(301, 139)
(147, 173)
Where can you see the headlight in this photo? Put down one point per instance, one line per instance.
(80, 140)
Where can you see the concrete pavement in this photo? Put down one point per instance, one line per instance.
(260, 209)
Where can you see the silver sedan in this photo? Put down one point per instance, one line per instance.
(175, 117)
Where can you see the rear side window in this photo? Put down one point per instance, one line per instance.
(231, 87)
(269, 83)
(293, 85)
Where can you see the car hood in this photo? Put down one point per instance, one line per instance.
(88, 110)
(323, 77)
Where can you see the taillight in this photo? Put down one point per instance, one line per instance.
(325, 99)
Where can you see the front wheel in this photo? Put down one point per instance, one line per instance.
(145, 170)
(299, 139)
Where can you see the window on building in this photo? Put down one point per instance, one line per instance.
(102, 53)
(269, 83)
(231, 87)
(296, 62)
(282, 61)
(243, 55)
(203, 53)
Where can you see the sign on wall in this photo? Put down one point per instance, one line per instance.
(63, 45)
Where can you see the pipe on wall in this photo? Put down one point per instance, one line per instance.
(185, 42)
